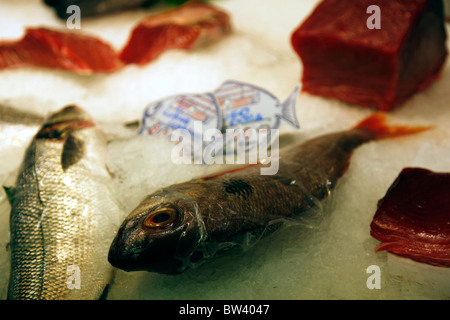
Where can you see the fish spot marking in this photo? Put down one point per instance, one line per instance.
(238, 187)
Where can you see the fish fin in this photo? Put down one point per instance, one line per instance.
(288, 108)
(73, 151)
(10, 191)
(107, 287)
(377, 125)
(105, 292)
(271, 228)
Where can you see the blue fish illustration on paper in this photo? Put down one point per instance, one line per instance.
(245, 106)
(181, 112)
(237, 106)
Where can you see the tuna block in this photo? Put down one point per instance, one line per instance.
(345, 55)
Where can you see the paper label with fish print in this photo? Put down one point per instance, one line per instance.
(248, 105)
(234, 106)
(180, 112)
(245, 106)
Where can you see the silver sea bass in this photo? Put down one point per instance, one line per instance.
(64, 213)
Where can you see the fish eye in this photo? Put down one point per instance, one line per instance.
(161, 218)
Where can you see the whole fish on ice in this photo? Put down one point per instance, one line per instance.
(182, 225)
(63, 213)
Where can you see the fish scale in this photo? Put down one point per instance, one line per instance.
(62, 218)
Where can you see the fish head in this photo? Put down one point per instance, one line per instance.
(66, 120)
(80, 138)
(159, 235)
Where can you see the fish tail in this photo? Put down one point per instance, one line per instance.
(288, 108)
(378, 126)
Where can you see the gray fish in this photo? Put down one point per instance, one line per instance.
(184, 224)
(64, 213)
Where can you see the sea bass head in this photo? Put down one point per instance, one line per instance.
(60, 123)
(159, 235)
(68, 126)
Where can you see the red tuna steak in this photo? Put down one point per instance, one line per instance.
(381, 68)
(413, 218)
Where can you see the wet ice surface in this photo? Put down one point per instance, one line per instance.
(325, 262)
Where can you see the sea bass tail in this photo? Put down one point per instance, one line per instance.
(377, 125)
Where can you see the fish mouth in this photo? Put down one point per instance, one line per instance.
(69, 118)
(129, 255)
(125, 252)
(116, 257)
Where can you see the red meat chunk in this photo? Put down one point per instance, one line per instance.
(413, 218)
(53, 49)
(186, 27)
(380, 68)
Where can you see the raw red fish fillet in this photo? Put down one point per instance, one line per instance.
(71, 51)
(186, 27)
(413, 218)
(380, 68)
